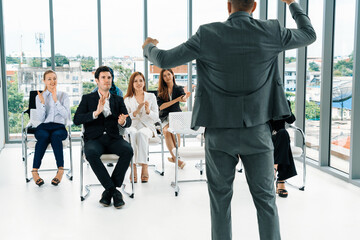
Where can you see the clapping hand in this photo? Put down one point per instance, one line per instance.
(41, 97)
(122, 119)
(100, 106)
(53, 94)
(147, 110)
(185, 97)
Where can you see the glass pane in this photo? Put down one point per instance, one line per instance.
(342, 84)
(272, 9)
(313, 82)
(122, 38)
(76, 48)
(168, 24)
(27, 38)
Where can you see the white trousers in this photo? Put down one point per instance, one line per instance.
(140, 143)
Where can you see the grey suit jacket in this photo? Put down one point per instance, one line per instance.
(239, 84)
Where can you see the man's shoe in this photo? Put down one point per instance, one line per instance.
(118, 199)
(106, 198)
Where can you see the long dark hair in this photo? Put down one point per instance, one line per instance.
(163, 91)
(130, 91)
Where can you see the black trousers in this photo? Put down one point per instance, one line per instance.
(107, 145)
(283, 155)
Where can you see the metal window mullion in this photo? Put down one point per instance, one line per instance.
(4, 107)
(326, 82)
(263, 9)
(189, 34)
(146, 69)
(52, 41)
(355, 110)
(301, 63)
(99, 32)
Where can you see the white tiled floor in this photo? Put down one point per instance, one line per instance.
(328, 209)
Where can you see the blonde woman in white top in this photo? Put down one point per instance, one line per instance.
(143, 111)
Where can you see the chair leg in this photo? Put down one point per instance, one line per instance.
(70, 172)
(81, 175)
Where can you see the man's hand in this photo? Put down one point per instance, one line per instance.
(122, 119)
(150, 40)
(288, 1)
(100, 106)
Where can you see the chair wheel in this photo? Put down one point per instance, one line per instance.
(176, 194)
(27, 180)
(240, 170)
(110, 165)
(162, 174)
(302, 188)
(82, 198)
(71, 178)
(131, 196)
(201, 172)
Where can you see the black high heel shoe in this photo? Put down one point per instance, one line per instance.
(40, 181)
(281, 191)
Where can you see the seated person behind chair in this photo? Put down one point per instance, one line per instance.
(169, 96)
(143, 111)
(283, 159)
(52, 110)
(114, 89)
(102, 113)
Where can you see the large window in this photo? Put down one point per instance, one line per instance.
(122, 38)
(27, 39)
(76, 48)
(272, 9)
(167, 22)
(313, 82)
(342, 84)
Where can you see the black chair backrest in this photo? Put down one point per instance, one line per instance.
(153, 91)
(32, 102)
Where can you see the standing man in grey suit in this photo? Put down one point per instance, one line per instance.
(239, 90)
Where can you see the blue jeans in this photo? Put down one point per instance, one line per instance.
(46, 133)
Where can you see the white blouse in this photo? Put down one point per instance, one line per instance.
(142, 119)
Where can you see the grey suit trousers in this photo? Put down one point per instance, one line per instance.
(255, 148)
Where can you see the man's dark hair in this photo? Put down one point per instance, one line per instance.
(242, 5)
(103, 69)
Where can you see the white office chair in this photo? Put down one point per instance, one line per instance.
(105, 158)
(28, 144)
(179, 123)
(154, 141)
(299, 153)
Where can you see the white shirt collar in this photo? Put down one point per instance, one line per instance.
(106, 98)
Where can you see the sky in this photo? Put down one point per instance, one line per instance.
(76, 32)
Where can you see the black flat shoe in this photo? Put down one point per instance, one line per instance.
(118, 199)
(106, 198)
